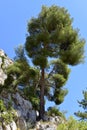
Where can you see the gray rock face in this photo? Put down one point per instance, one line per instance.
(4, 63)
(23, 107)
(24, 112)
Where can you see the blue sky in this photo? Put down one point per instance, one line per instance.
(14, 16)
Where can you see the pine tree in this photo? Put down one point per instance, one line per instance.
(83, 104)
(52, 36)
(20, 72)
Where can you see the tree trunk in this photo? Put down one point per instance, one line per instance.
(42, 109)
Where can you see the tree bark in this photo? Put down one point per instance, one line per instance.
(42, 108)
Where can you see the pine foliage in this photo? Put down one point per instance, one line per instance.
(83, 104)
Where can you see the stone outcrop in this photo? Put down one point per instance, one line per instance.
(23, 111)
(23, 108)
(49, 123)
(4, 63)
(45, 126)
(11, 126)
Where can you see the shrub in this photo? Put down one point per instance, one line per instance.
(54, 111)
(7, 115)
(73, 124)
(2, 106)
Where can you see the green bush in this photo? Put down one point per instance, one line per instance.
(54, 111)
(2, 106)
(7, 115)
(73, 124)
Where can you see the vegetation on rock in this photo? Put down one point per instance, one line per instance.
(54, 111)
(7, 114)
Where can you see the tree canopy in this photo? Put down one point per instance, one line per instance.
(51, 35)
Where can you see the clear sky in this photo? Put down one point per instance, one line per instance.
(14, 16)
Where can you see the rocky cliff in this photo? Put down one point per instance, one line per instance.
(17, 113)
(24, 113)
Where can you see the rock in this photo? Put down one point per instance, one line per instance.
(1, 127)
(19, 100)
(6, 126)
(23, 107)
(2, 53)
(32, 115)
(4, 63)
(54, 119)
(13, 126)
(3, 76)
(46, 118)
(18, 113)
(45, 126)
(25, 114)
(21, 123)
